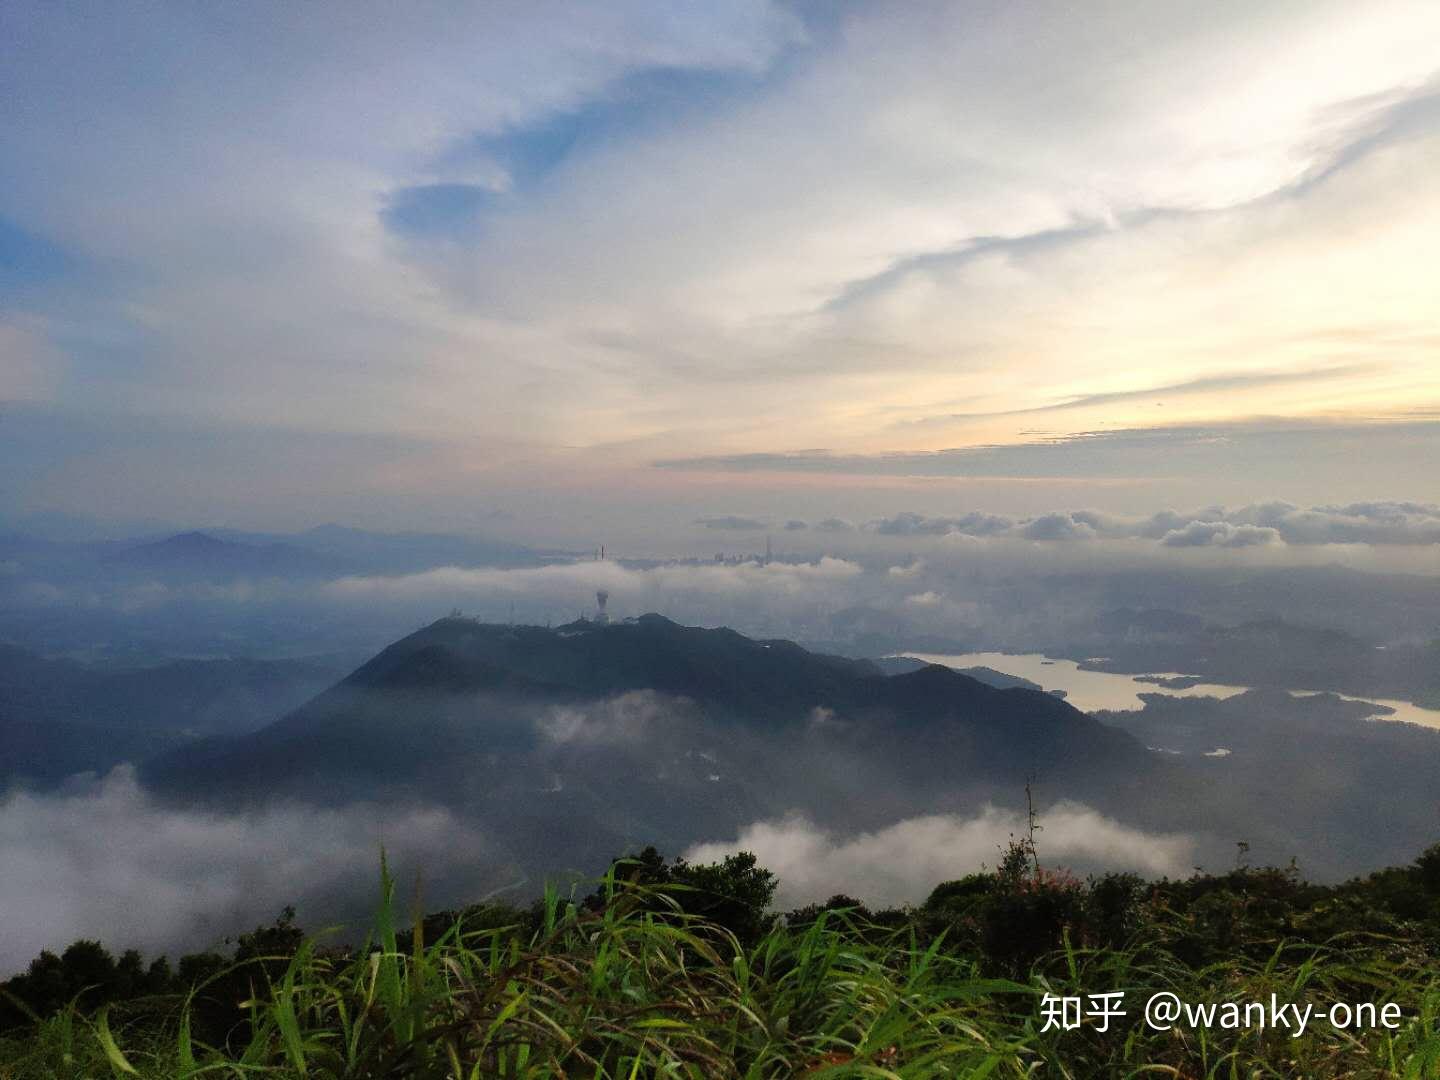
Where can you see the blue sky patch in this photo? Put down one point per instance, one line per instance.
(433, 210)
(26, 258)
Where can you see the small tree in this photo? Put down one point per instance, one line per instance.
(734, 893)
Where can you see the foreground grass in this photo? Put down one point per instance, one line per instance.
(637, 988)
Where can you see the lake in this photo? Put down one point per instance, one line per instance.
(1090, 691)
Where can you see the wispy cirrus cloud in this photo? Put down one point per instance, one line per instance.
(1209, 384)
(1275, 448)
(925, 226)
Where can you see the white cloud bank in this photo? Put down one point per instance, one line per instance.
(624, 718)
(564, 582)
(106, 861)
(1276, 522)
(903, 862)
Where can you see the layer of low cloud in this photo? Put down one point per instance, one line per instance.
(1056, 527)
(104, 860)
(909, 523)
(1219, 534)
(903, 577)
(627, 585)
(624, 718)
(1259, 524)
(901, 863)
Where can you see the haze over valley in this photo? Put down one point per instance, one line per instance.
(252, 716)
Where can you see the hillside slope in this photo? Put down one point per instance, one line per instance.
(587, 737)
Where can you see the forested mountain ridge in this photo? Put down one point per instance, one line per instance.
(592, 735)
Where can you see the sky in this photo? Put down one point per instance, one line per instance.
(569, 272)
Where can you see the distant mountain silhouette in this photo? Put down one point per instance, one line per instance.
(203, 555)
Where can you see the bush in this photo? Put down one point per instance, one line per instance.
(636, 980)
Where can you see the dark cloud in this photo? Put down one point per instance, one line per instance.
(795, 525)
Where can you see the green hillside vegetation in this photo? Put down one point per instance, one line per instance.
(673, 969)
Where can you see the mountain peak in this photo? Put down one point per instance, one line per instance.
(199, 553)
(194, 540)
(657, 728)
